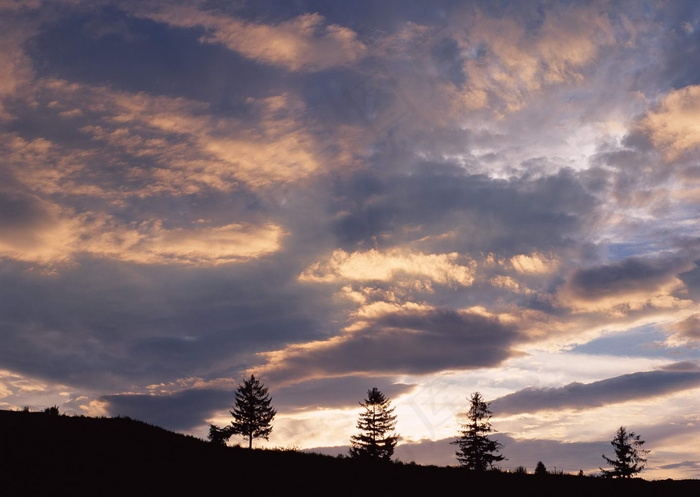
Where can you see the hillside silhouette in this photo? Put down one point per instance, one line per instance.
(41, 452)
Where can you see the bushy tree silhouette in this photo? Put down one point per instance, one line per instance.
(252, 412)
(476, 451)
(540, 469)
(376, 423)
(629, 455)
(219, 436)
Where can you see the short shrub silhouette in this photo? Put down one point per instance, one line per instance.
(51, 411)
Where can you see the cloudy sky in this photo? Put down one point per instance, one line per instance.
(433, 198)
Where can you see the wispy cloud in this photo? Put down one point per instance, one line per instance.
(304, 43)
(624, 388)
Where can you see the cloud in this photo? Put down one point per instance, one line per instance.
(11, 5)
(34, 230)
(206, 245)
(104, 324)
(626, 285)
(334, 393)
(508, 62)
(685, 366)
(635, 386)
(180, 411)
(17, 67)
(534, 263)
(155, 145)
(439, 207)
(673, 126)
(395, 264)
(175, 145)
(304, 43)
(686, 331)
(393, 338)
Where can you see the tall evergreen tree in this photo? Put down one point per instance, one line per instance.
(629, 455)
(476, 451)
(376, 423)
(252, 412)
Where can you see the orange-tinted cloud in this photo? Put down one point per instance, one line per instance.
(304, 43)
(150, 243)
(685, 332)
(533, 264)
(172, 145)
(394, 264)
(674, 126)
(32, 229)
(35, 230)
(520, 61)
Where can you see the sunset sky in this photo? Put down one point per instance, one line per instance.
(428, 197)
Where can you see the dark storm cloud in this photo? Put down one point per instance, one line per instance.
(179, 411)
(628, 276)
(403, 341)
(110, 325)
(502, 216)
(635, 386)
(106, 45)
(684, 45)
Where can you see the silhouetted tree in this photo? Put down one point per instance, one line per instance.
(253, 412)
(219, 436)
(376, 423)
(476, 451)
(51, 411)
(629, 455)
(540, 469)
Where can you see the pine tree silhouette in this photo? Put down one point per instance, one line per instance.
(629, 454)
(252, 412)
(476, 451)
(376, 423)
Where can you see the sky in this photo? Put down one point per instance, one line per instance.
(431, 198)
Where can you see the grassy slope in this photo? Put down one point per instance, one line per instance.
(120, 456)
